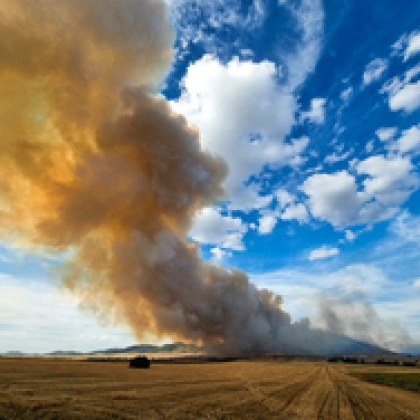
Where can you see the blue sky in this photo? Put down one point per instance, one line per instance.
(314, 106)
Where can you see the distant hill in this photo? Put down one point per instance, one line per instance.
(178, 347)
(359, 348)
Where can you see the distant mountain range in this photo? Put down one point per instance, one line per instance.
(175, 348)
(359, 348)
(347, 346)
(342, 346)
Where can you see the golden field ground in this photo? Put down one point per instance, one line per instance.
(47, 388)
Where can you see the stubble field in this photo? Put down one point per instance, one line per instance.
(45, 388)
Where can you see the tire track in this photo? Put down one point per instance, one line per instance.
(283, 398)
(362, 402)
(320, 401)
(297, 392)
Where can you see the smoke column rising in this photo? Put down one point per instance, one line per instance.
(94, 163)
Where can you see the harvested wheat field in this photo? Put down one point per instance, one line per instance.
(45, 388)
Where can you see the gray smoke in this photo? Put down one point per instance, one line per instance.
(354, 316)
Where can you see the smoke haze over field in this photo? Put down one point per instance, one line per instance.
(94, 162)
(354, 316)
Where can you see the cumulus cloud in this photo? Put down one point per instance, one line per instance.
(316, 112)
(210, 227)
(390, 180)
(407, 98)
(409, 142)
(336, 197)
(295, 211)
(374, 70)
(413, 45)
(284, 197)
(408, 45)
(245, 110)
(266, 224)
(287, 208)
(404, 92)
(333, 197)
(386, 133)
(242, 115)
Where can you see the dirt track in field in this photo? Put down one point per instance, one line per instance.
(39, 388)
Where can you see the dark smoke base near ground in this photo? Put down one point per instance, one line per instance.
(62, 389)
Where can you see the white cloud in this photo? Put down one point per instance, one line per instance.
(295, 212)
(337, 199)
(346, 93)
(322, 253)
(316, 113)
(374, 71)
(350, 236)
(390, 180)
(219, 253)
(413, 45)
(409, 142)
(407, 98)
(288, 208)
(337, 157)
(404, 94)
(416, 283)
(369, 147)
(243, 116)
(210, 227)
(333, 197)
(309, 15)
(407, 227)
(386, 133)
(266, 224)
(284, 197)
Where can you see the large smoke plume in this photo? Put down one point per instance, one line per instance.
(94, 163)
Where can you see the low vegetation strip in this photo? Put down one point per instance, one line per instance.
(409, 381)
